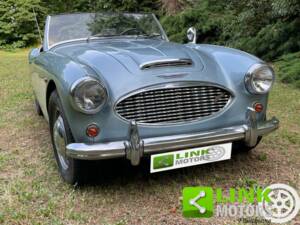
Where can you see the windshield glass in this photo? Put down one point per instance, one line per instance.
(89, 26)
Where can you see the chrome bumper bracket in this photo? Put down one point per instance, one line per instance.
(134, 148)
(251, 128)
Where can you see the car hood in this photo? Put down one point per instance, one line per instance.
(118, 63)
(132, 54)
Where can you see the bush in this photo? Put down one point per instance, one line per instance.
(207, 17)
(264, 28)
(17, 23)
(288, 69)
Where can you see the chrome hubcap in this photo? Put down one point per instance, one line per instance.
(59, 136)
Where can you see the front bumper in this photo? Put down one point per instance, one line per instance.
(134, 147)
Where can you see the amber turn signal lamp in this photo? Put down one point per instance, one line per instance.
(92, 130)
(258, 107)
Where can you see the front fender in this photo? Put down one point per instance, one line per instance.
(51, 67)
(233, 63)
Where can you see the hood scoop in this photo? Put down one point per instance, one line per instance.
(166, 63)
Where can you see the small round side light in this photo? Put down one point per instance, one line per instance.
(92, 130)
(258, 107)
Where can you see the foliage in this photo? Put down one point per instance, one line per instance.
(288, 69)
(207, 17)
(112, 24)
(266, 28)
(17, 23)
(62, 6)
(127, 5)
(170, 7)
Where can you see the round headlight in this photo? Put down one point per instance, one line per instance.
(89, 95)
(259, 79)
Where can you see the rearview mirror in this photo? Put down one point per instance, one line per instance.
(192, 35)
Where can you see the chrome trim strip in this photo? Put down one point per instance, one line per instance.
(96, 151)
(134, 146)
(84, 40)
(168, 62)
(46, 34)
(172, 75)
(165, 36)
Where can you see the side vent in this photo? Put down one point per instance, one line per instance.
(166, 63)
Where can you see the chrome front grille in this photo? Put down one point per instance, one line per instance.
(173, 105)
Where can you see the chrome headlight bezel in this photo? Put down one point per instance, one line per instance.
(253, 72)
(80, 83)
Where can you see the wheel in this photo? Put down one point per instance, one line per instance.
(61, 135)
(38, 107)
(240, 146)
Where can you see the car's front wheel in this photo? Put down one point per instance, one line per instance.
(61, 135)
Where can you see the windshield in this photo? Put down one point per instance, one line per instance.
(67, 27)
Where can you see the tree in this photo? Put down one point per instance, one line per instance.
(17, 22)
(171, 7)
(127, 5)
(267, 28)
(65, 6)
(207, 16)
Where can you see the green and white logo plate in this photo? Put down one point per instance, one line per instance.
(190, 157)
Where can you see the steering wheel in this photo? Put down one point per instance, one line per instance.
(132, 29)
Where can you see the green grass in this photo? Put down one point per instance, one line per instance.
(31, 192)
(288, 69)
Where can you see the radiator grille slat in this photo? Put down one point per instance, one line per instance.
(173, 105)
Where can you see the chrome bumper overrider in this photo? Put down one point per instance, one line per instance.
(135, 147)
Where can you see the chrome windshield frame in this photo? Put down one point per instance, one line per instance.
(46, 45)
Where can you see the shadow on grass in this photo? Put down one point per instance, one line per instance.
(120, 172)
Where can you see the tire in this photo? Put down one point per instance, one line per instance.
(240, 146)
(37, 107)
(61, 135)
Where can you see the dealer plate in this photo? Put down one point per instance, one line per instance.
(190, 157)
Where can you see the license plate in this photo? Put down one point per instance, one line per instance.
(190, 157)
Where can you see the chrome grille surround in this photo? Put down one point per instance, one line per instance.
(173, 103)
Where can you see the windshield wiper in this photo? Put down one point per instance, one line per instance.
(101, 35)
(120, 35)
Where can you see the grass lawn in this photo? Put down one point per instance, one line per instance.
(31, 191)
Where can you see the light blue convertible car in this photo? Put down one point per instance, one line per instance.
(111, 85)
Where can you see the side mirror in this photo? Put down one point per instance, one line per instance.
(192, 35)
